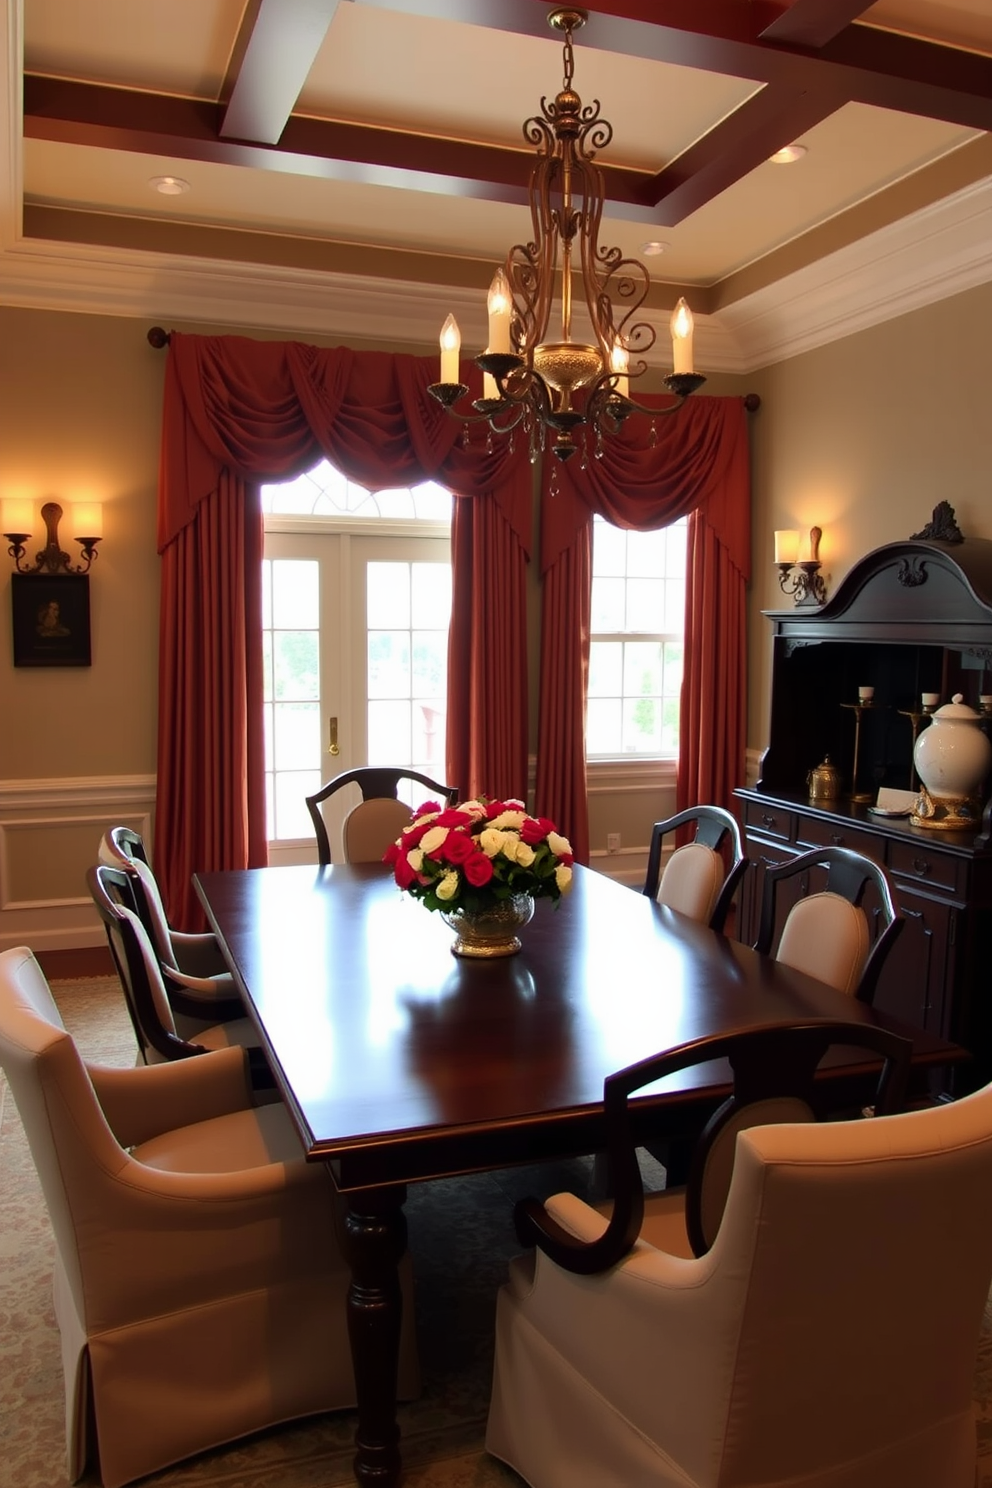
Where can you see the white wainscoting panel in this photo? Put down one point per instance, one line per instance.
(50, 832)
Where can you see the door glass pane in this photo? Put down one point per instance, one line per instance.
(410, 667)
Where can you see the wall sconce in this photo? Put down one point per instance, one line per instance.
(806, 586)
(86, 518)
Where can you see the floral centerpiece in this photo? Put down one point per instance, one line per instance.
(482, 863)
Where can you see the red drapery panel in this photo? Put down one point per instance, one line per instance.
(698, 463)
(560, 789)
(238, 412)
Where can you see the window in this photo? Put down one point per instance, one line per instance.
(356, 606)
(636, 644)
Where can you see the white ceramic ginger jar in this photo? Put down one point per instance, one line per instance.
(953, 755)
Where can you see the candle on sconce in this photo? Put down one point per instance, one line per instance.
(489, 388)
(786, 546)
(865, 694)
(17, 515)
(620, 363)
(930, 699)
(86, 518)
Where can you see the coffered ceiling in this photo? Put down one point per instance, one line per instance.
(356, 166)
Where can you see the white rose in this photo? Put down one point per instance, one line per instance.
(563, 877)
(422, 817)
(415, 857)
(525, 854)
(514, 804)
(509, 820)
(433, 839)
(490, 841)
(447, 887)
(559, 845)
(475, 809)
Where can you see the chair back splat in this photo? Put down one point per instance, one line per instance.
(840, 934)
(700, 878)
(379, 816)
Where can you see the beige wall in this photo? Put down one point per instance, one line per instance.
(863, 438)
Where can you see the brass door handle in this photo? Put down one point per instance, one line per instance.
(332, 730)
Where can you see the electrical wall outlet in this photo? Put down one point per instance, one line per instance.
(613, 842)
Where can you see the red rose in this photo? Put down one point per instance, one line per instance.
(403, 873)
(477, 869)
(428, 806)
(412, 835)
(495, 808)
(457, 847)
(535, 829)
(393, 853)
(452, 818)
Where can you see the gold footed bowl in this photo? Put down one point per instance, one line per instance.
(492, 931)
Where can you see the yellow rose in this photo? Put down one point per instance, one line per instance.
(433, 839)
(559, 845)
(490, 841)
(415, 857)
(512, 820)
(447, 887)
(563, 877)
(525, 854)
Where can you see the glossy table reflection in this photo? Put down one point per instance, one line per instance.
(401, 1062)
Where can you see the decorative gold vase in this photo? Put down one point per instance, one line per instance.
(489, 932)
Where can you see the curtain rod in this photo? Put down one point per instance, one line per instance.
(159, 337)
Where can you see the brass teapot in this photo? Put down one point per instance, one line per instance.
(824, 783)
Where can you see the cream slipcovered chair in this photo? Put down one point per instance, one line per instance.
(379, 817)
(697, 880)
(157, 1020)
(199, 1283)
(825, 1339)
(827, 934)
(192, 964)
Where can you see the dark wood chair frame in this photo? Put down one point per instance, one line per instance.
(775, 1062)
(110, 889)
(375, 782)
(849, 874)
(716, 828)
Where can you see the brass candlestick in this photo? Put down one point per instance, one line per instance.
(915, 719)
(857, 709)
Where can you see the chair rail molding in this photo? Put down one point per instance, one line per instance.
(49, 835)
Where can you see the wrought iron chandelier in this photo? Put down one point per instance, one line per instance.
(529, 380)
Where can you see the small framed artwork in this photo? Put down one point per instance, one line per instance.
(51, 615)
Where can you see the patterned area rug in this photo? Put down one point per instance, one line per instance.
(461, 1238)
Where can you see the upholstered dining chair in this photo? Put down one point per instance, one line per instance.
(192, 963)
(828, 933)
(200, 1289)
(697, 880)
(158, 1011)
(822, 1329)
(378, 817)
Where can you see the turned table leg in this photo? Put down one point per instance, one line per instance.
(375, 1228)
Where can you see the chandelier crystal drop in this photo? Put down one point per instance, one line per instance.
(529, 378)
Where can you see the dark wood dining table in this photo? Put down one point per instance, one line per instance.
(400, 1062)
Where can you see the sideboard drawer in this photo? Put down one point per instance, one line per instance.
(814, 832)
(919, 863)
(770, 820)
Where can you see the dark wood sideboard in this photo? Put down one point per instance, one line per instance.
(911, 617)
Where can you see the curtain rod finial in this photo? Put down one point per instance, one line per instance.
(752, 402)
(158, 337)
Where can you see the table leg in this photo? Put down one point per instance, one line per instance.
(375, 1230)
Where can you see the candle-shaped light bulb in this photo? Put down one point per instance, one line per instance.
(619, 363)
(86, 519)
(451, 341)
(681, 327)
(17, 515)
(786, 546)
(489, 387)
(500, 305)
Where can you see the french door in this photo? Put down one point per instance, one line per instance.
(356, 634)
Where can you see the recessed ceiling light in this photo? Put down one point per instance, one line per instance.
(651, 249)
(169, 185)
(788, 154)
